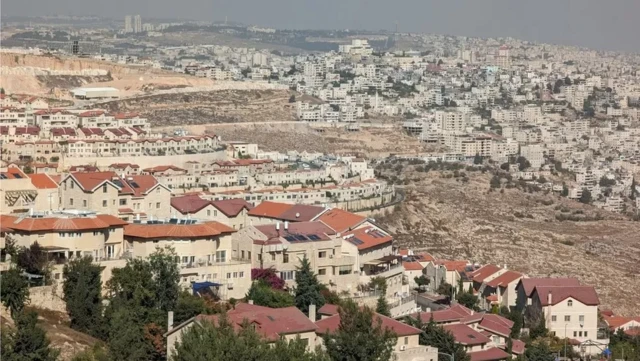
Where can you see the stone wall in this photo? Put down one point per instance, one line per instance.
(47, 297)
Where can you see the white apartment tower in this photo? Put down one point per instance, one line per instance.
(128, 28)
(137, 24)
(503, 57)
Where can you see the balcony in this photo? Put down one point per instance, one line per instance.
(336, 261)
(387, 266)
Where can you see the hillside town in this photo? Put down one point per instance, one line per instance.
(152, 240)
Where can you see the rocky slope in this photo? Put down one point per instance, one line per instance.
(457, 217)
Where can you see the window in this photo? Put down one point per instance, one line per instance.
(580, 334)
(229, 275)
(215, 213)
(158, 205)
(235, 274)
(567, 318)
(208, 213)
(123, 201)
(71, 184)
(585, 334)
(288, 275)
(273, 256)
(70, 201)
(104, 188)
(554, 318)
(406, 340)
(322, 271)
(259, 256)
(242, 254)
(322, 254)
(575, 333)
(570, 303)
(241, 274)
(104, 203)
(581, 318)
(221, 256)
(285, 258)
(249, 255)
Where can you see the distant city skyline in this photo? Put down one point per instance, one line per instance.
(590, 23)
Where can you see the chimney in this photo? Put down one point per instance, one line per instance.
(170, 320)
(505, 266)
(138, 217)
(277, 225)
(286, 225)
(312, 312)
(251, 302)
(549, 298)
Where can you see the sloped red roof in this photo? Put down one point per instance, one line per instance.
(301, 213)
(495, 327)
(42, 181)
(453, 265)
(368, 237)
(455, 313)
(152, 231)
(517, 346)
(484, 272)
(328, 309)
(341, 220)
(270, 323)
(617, 321)
(466, 335)
(91, 113)
(14, 173)
(584, 294)
(530, 284)
(29, 224)
(489, 354)
(505, 279)
(269, 209)
(232, 207)
(164, 168)
(332, 323)
(412, 266)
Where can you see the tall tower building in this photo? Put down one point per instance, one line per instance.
(128, 28)
(503, 57)
(137, 24)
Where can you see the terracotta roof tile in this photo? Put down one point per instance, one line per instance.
(584, 294)
(368, 237)
(301, 213)
(332, 323)
(270, 323)
(505, 279)
(489, 354)
(155, 231)
(466, 335)
(455, 313)
(28, 224)
(530, 284)
(42, 181)
(412, 266)
(484, 272)
(232, 207)
(269, 209)
(341, 220)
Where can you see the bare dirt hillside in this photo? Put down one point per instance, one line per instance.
(458, 218)
(299, 136)
(190, 108)
(53, 75)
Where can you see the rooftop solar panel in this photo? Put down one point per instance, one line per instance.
(18, 176)
(134, 184)
(300, 237)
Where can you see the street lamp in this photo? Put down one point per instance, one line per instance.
(446, 354)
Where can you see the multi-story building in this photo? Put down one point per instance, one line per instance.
(128, 197)
(20, 192)
(203, 248)
(232, 212)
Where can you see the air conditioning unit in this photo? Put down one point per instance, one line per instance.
(230, 286)
(403, 348)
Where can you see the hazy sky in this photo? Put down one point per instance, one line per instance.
(603, 24)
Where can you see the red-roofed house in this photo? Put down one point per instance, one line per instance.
(411, 271)
(271, 324)
(107, 192)
(622, 323)
(407, 347)
(525, 287)
(503, 288)
(282, 246)
(272, 212)
(20, 192)
(570, 311)
(233, 212)
(204, 249)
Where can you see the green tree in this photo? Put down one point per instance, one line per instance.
(421, 281)
(307, 287)
(495, 181)
(263, 295)
(292, 98)
(436, 336)
(27, 341)
(166, 276)
(477, 159)
(586, 196)
(468, 300)
(565, 190)
(126, 336)
(539, 329)
(445, 289)
(82, 290)
(222, 342)
(95, 353)
(360, 336)
(382, 306)
(14, 290)
(188, 306)
(538, 352)
(33, 260)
